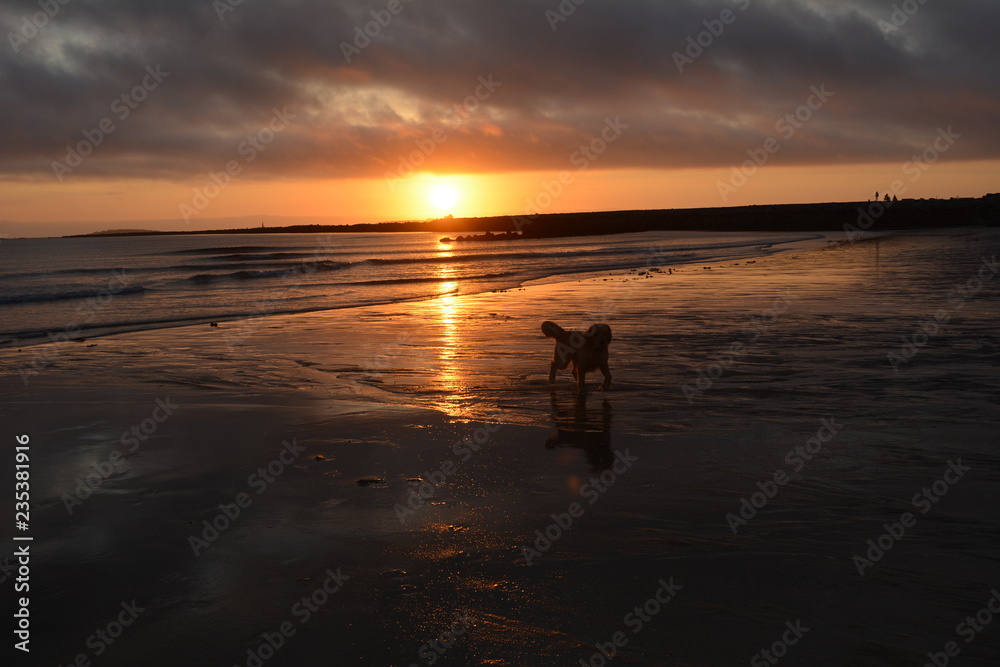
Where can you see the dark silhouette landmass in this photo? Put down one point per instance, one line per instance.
(870, 216)
(488, 236)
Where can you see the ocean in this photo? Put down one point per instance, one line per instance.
(58, 288)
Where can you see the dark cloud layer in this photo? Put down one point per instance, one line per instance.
(892, 87)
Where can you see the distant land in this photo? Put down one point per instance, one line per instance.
(860, 216)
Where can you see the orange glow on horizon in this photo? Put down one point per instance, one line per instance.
(91, 205)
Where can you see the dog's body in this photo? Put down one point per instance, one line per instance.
(587, 352)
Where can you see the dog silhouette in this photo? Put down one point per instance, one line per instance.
(587, 351)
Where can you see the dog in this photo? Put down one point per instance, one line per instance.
(587, 352)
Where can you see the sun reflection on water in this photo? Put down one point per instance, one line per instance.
(449, 315)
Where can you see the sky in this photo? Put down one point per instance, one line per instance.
(195, 114)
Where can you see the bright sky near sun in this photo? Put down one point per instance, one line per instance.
(188, 116)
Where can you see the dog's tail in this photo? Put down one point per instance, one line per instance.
(552, 330)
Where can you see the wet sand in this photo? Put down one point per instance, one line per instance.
(720, 375)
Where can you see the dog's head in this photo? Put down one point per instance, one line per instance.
(599, 335)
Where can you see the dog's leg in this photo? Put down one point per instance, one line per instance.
(606, 372)
(581, 381)
(552, 373)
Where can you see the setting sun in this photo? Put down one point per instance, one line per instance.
(443, 197)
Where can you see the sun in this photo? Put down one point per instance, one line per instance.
(443, 197)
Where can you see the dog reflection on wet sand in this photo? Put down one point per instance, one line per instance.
(587, 430)
(587, 352)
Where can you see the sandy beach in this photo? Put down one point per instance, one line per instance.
(797, 462)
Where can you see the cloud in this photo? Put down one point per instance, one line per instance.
(893, 86)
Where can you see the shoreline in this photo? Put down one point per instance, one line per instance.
(78, 333)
